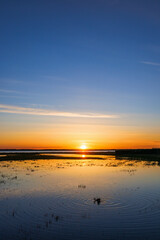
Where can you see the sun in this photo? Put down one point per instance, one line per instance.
(83, 147)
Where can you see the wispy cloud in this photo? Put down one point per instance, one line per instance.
(12, 96)
(8, 91)
(18, 94)
(151, 63)
(45, 112)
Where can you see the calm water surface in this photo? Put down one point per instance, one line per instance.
(57, 199)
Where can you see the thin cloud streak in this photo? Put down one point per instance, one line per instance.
(45, 112)
(8, 91)
(151, 63)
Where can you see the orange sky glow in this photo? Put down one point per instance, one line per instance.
(73, 136)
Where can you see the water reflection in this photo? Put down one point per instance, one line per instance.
(94, 197)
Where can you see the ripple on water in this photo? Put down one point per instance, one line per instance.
(71, 212)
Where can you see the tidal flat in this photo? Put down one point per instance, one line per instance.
(79, 196)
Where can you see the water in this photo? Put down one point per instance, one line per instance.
(54, 199)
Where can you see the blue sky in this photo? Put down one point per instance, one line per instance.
(100, 57)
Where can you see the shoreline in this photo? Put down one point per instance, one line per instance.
(139, 154)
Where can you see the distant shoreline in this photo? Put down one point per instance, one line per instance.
(152, 154)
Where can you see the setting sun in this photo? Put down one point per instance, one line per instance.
(83, 147)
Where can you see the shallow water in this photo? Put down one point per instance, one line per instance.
(54, 199)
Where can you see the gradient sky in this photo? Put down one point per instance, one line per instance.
(80, 71)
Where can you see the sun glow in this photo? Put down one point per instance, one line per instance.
(83, 147)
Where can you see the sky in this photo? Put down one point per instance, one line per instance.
(78, 72)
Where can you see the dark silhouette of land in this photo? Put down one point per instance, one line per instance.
(23, 154)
